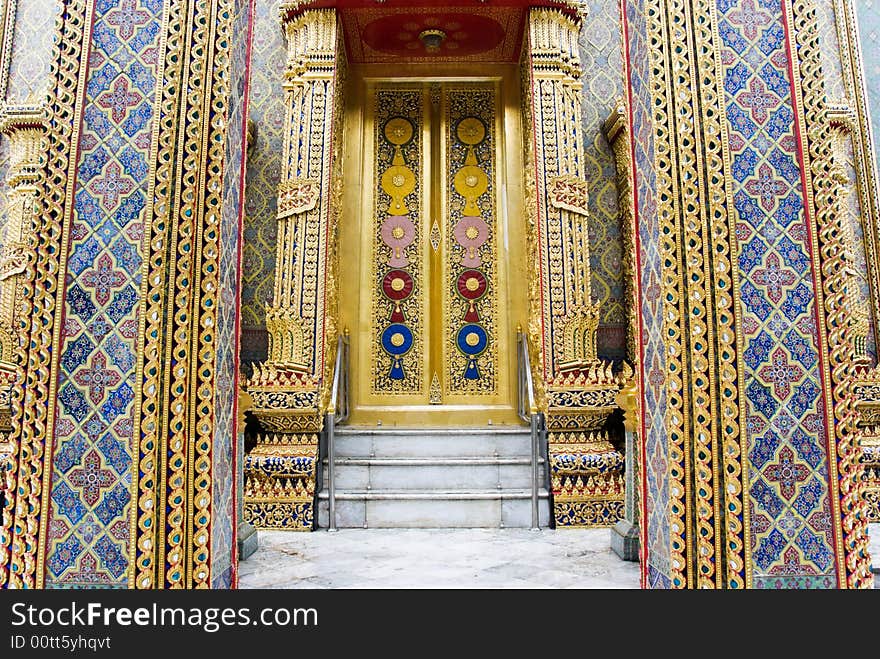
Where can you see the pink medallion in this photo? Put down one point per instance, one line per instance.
(398, 233)
(471, 233)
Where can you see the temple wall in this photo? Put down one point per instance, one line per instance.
(32, 50)
(226, 458)
(868, 17)
(601, 44)
(655, 524)
(267, 110)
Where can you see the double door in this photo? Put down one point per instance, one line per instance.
(434, 336)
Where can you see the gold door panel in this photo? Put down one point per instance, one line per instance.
(431, 341)
(470, 252)
(397, 265)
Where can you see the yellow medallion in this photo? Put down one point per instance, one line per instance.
(471, 131)
(471, 182)
(398, 131)
(398, 181)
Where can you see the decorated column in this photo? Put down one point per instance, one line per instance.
(123, 407)
(577, 389)
(289, 390)
(24, 127)
(748, 414)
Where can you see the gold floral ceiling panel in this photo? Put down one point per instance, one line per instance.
(383, 34)
(432, 32)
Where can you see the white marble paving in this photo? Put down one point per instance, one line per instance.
(437, 558)
(445, 558)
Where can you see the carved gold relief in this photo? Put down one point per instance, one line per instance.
(580, 388)
(24, 127)
(867, 394)
(288, 392)
(297, 196)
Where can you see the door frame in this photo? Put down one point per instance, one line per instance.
(354, 240)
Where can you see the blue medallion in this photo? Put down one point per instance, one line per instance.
(397, 339)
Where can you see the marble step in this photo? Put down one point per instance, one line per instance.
(360, 473)
(425, 443)
(458, 508)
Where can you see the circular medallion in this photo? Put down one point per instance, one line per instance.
(397, 285)
(397, 339)
(471, 284)
(472, 340)
(471, 182)
(398, 131)
(471, 131)
(398, 181)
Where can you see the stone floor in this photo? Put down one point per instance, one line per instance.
(437, 558)
(445, 558)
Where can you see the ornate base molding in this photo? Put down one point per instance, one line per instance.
(871, 479)
(280, 515)
(587, 479)
(279, 491)
(586, 471)
(867, 392)
(591, 513)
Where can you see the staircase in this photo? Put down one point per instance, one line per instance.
(459, 478)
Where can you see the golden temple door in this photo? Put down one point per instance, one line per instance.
(434, 339)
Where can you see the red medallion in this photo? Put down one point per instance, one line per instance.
(397, 285)
(472, 286)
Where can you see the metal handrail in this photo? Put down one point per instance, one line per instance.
(337, 413)
(528, 412)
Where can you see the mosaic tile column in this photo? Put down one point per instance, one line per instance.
(752, 476)
(289, 390)
(126, 431)
(577, 388)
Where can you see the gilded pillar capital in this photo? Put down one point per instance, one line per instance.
(286, 392)
(23, 126)
(311, 43)
(553, 41)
